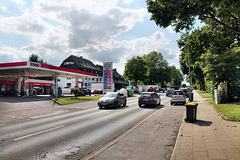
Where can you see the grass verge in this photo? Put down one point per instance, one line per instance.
(70, 100)
(204, 94)
(230, 110)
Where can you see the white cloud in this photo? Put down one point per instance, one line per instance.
(3, 7)
(20, 2)
(59, 28)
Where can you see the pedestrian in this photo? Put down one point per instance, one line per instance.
(60, 91)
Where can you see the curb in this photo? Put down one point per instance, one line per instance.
(177, 138)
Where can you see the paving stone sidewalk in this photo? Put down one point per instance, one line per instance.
(208, 138)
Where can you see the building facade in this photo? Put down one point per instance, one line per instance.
(82, 64)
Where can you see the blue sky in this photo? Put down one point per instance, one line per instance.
(98, 30)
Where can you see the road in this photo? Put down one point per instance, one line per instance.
(73, 134)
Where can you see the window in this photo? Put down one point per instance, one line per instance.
(68, 85)
(92, 79)
(68, 63)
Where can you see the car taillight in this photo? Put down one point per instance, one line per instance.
(139, 97)
(151, 97)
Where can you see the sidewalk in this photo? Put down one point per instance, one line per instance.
(208, 138)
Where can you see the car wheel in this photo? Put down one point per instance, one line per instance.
(125, 102)
(171, 103)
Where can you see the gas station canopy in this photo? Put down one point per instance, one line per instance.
(22, 72)
(15, 69)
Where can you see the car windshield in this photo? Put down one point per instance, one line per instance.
(178, 93)
(112, 94)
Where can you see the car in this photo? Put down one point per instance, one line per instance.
(149, 98)
(94, 91)
(162, 90)
(169, 93)
(151, 89)
(100, 91)
(84, 92)
(178, 96)
(185, 91)
(112, 99)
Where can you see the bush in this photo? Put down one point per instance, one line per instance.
(75, 91)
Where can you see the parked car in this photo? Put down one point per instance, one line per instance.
(178, 97)
(94, 91)
(84, 92)
(100, 91)
(151, 89)
(185, 91)
(169, 93)
(112, 99)
(149, 98)
(162, 90)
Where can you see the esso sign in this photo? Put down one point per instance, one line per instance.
(107, 66)
(32, 64)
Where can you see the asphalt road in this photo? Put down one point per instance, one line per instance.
(70, 135)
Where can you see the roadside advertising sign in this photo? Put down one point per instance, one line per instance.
(107, 77)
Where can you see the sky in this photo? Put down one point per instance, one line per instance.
(98, 30)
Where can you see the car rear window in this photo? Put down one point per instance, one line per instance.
(146, 95)
(178, 93)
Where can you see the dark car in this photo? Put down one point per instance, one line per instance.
(84, 92)
(162, 90)
(149, 98)
(169, 93)
(112, 99)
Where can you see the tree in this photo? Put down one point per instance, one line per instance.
(36, 58)
(217, 70)
(135, 70)
(157, 68)
(176, 77)
(182, 14)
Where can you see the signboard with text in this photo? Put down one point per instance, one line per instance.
(107, 77)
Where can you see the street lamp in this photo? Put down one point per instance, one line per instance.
(189, 69)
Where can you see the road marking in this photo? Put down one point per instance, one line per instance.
(38, 133)
(99, 115)
(46, 115)
(115, 140)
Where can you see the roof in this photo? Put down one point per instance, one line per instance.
(39, 69)
(80, 62)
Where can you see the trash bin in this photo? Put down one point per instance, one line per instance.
(191, 111)
(191, 97)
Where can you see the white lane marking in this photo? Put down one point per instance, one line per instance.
(99, 115)
(46, 115)
(47, 130)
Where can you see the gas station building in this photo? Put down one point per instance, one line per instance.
(23, 76)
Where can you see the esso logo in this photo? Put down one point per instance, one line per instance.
(107, 66)
(35, 64)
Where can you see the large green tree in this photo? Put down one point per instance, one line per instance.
(176, 77)
(157, 68)
(182, 14)
(135, 70)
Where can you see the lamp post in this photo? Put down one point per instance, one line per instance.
(189, 68)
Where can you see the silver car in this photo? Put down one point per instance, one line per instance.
(112, 99)
(178, 97)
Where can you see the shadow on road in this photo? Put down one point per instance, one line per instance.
(152, 107)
